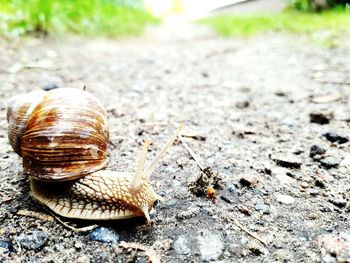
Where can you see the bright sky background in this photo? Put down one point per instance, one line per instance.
(191, 9)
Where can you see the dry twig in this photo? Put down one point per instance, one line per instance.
(193, 155)
(37, 215)
(247, 231)
(74, 229)
(206, 181)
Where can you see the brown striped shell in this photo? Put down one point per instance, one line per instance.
(61, 134)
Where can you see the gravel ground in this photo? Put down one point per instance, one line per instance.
(257, 107)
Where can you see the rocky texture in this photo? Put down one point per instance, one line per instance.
(210, 246)
(104, 235)
(151, 85)
(335, 137)
(288, 161)
(330, 162)
(285, 199)
(34, 240)
(321, 117)
(316, 150)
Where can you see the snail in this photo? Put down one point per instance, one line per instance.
(62, 137)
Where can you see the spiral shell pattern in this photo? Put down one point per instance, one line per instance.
(61, 136)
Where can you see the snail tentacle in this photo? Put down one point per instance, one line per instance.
(145, 211)
(149, 170)
(137, 180)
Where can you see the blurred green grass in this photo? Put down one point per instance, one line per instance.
(287, 21)
(112, 18)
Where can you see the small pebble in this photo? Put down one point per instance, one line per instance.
(295, 175)
(304, 185)
(256, 248)
(330, 162)
(7, 245)
(244, 210)
(34, 240)
(50, 86)
(210, 246)
(339, 202)
(280, 93)
(248, 181)
(334, 137)
(316, 150)
(325, 209)
(265, 209)
(205, 74)
(181, 245)
(83, 259)
(320, 183)
(287, 161)
(78, 245)
(313, 192)
(242, 104)
(313, 216)
(285, 199)
(142, 260)
(289, 121)
(321, 117)
(105, 235)
(58, 247)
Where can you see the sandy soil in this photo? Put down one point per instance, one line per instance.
(249, 99)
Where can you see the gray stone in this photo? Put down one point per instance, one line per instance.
(329, 259)
(319, 117)
(316, 150)
(210, 246)
(242, 104)
(339, 202)
(34, 240)
(7, 246)
(256, 249)
(83, 259)
(335, 137)
(285, 199)
(288, 161)
(330, 162)
(142, 260)
(313, 192)
(181, 246)
(78, 245)
(262, 208)
(248, 180)
(105, 235)
(50, 86)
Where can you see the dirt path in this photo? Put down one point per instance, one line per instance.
(251, 100)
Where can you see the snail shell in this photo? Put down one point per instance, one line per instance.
(61, 134)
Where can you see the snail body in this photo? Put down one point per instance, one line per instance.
(62, 136)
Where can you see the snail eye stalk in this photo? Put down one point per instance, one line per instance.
(137, 181)
(149, 170)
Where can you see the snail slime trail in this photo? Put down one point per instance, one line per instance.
(62, 136)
